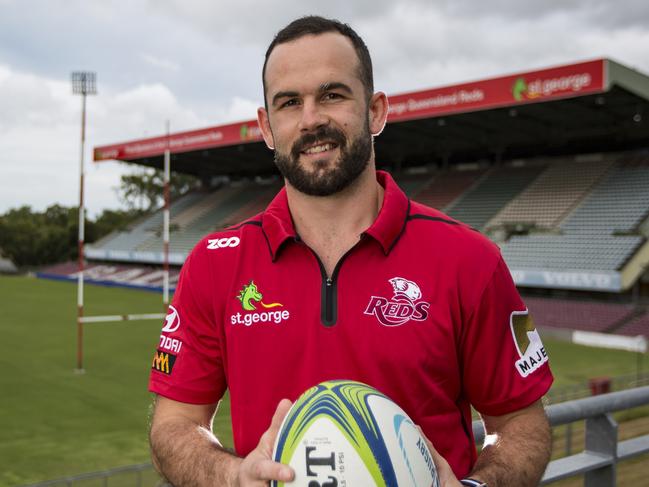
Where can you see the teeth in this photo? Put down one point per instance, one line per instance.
(318, 148)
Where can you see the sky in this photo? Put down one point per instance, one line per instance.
(197, 63)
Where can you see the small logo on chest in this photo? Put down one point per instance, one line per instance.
(250, 297)
(405, 304)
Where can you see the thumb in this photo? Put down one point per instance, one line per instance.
(444, 471)
(268, 438)
(280, 413)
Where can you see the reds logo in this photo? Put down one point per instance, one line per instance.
(405, 305)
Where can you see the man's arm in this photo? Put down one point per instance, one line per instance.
(515, 453)
(186, 452)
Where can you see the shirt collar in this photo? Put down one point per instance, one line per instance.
(391, 220)
(277, 224)
(278, 227)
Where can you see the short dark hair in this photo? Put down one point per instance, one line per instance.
(313, 24)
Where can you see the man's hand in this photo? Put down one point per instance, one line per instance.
(446, 476)
(258, 467)
(186, 452)
(515, 453)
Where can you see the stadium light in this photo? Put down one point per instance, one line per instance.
(83, 83)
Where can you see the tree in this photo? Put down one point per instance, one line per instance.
(32, 238)
(143, 189)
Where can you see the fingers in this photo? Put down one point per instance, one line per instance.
(269, 470)
(444, 471)
(281, 411)
(428, 442)
(258, 466)
(268, 438)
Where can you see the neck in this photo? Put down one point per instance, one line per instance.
(351, 211)
(331, 225)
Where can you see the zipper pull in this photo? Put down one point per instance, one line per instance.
(329, 282)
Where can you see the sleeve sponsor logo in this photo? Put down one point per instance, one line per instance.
(172, 320)
(163, 362)
(170, 344)
(528, 343)
(405, 304)
(221, 243)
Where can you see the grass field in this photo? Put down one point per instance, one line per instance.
(56, 423)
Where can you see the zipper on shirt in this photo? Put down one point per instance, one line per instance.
(329, 290)
(328, 317)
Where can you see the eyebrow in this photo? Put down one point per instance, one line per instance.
(335, 85)
(332, 85)
(284, 94)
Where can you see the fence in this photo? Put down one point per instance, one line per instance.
(597, 462)
(141, 475)
(602, 450)
(578, 391)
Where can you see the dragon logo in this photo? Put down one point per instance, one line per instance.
(519, 89)
(405, 304)
(247, 132)
(250, 294)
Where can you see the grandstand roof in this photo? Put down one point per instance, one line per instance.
(590, 106)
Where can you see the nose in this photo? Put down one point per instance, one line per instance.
(313, 116)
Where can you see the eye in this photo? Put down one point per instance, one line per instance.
(330, 96)
(289, 103)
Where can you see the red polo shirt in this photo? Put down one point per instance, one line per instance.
(423, 308)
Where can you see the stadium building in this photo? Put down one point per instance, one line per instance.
(553, 165)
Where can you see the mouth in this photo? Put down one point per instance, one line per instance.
(319, 148)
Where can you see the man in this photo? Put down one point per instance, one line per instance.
(343, 277)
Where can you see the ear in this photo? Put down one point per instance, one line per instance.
(264, 126)
(378, 112)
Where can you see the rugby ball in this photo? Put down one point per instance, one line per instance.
(343, 433)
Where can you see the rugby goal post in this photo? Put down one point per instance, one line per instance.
(83, 83)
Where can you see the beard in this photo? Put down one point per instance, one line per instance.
(323, 181)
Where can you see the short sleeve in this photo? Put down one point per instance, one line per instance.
(505, 365)
(188, 365)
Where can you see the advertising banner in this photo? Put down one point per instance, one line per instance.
(583, 280)
(535, 86)
(547, 84)
(224, 135)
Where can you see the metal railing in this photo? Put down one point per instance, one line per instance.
(571, 392)
(597, 462)
(602, 450)
(141, 475)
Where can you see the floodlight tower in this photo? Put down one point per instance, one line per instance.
(83, 83)
(166, 214)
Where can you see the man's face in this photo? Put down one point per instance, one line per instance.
(317, 119)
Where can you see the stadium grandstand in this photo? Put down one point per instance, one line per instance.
(552, 165)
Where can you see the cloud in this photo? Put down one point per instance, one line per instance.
(622, 14)
(159, 62)
(432, 45)
(40, 137)
(198, 63)
(255, 22)
(142, 111)
(28, 100)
